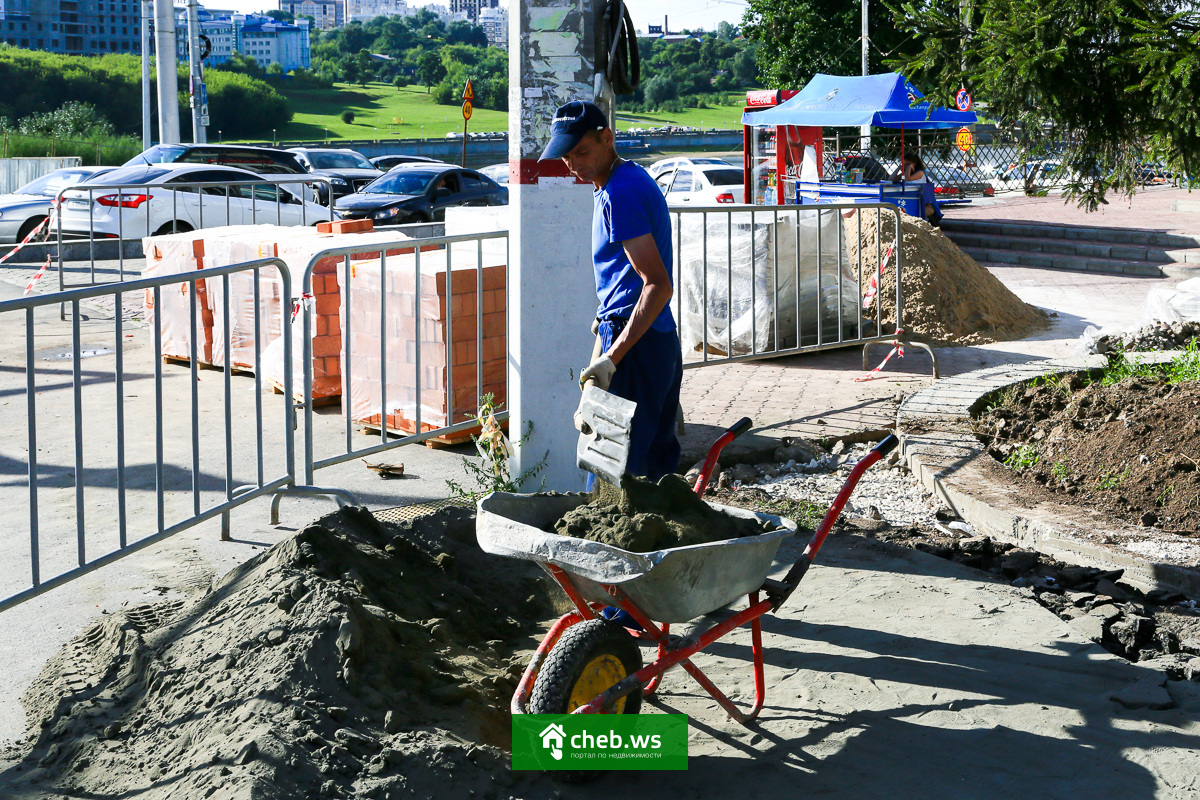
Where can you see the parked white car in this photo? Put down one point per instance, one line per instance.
(22, 211)
(704, 185)
(671, 164)
(145, 204)
(497, 172)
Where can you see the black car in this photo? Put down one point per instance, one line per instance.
(420, 193)
(387, 162)
(259, 160)
(348, 171)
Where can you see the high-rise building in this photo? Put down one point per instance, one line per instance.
(364, 10)
(494, 22)
(328, 14)
(269, 41)
(472, 7)
(80, 27)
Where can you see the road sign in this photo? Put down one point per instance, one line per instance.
(467, 109)
(964, 139)
(963, 100)
(468, 92)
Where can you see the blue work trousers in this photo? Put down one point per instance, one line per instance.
(649, 375)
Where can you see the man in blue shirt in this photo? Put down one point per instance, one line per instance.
(637, 353)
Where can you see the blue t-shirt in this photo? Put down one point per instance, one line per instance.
(630, 205)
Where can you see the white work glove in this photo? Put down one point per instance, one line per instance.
(601, 371)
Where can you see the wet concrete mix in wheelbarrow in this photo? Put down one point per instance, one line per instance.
(645, 516)
(354, 659)
(948, 297)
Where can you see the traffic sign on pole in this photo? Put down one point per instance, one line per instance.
(467, 108)
(963, 100)
(468, 91)
(964, 139)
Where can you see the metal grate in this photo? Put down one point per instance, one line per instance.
(417, 510)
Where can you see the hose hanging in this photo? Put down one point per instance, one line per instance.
(617, 56)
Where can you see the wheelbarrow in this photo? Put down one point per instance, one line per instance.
(588, 664)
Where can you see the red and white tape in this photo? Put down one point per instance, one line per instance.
(25, 241)
(29, 286)
(897, 350)
(306, 300)
(873, 286)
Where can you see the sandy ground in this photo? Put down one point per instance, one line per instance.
(891, 673)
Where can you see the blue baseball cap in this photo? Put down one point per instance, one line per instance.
(570, 124)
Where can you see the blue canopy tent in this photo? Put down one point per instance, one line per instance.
(885, 101)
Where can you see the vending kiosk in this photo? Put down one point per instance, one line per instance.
(774, 154)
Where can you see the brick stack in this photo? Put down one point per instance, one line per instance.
(173, 254)
(421, 322)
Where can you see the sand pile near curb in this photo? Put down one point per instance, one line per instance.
(355, 659)
(948, 298)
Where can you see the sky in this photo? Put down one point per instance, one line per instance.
(680, 14)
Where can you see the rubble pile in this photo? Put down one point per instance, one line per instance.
(948, 298)
(1156, 335)
(354, 659)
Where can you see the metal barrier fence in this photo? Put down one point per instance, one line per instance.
(756, 282)
(423, 332)
(110, 474)
(995, 161)
(139, 210)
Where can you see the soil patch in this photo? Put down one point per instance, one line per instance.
(355, 659)
(948, 298)
(646, 517)
(1128, 449)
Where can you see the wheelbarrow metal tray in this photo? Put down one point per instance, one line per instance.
(674, 585)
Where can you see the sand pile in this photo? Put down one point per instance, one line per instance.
(352, 660)
(948, 298)
(644, 517)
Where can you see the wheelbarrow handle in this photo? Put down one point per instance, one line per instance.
(710, 461)
(779, 591)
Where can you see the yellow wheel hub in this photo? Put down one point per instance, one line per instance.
(599, 674)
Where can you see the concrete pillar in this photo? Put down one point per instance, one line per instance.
(165, 66)
(551, 288)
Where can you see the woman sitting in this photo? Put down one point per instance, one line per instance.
(912, 170)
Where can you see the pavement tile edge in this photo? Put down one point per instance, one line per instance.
(952, 464)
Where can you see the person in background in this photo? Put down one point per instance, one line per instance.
(912, 170)
(637, 354)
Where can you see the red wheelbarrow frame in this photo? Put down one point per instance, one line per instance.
(680, 651)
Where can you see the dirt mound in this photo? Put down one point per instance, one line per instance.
(648, 516)
(948, 298)
(1127, 448)
(355, 659)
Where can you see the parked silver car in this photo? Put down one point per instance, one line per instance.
(27, 207)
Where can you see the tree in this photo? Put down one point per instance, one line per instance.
(727, 32)
(275, 70)
(659, 90)
(281, 16)
(801, 37)
(348, 116)
(430, 69)
(1112, 81)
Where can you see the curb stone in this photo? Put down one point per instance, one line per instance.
(943, 453)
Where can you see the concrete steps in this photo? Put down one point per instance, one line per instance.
(1083, 249)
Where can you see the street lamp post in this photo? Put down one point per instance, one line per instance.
(272, 137)
(220, 138)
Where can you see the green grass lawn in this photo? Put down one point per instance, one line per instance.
(383, 112)
(725, 117)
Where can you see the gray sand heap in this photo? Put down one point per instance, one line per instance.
(355, 659)
(948, 298)
(645, 516)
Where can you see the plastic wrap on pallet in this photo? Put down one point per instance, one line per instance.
(326, 331)
(173, 254)
(759, 288)
(233, 245)
(421, 322)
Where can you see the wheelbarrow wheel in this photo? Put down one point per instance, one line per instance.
(590, 657)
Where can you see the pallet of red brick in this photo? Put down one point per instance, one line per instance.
(173, 254)
(442, 325)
